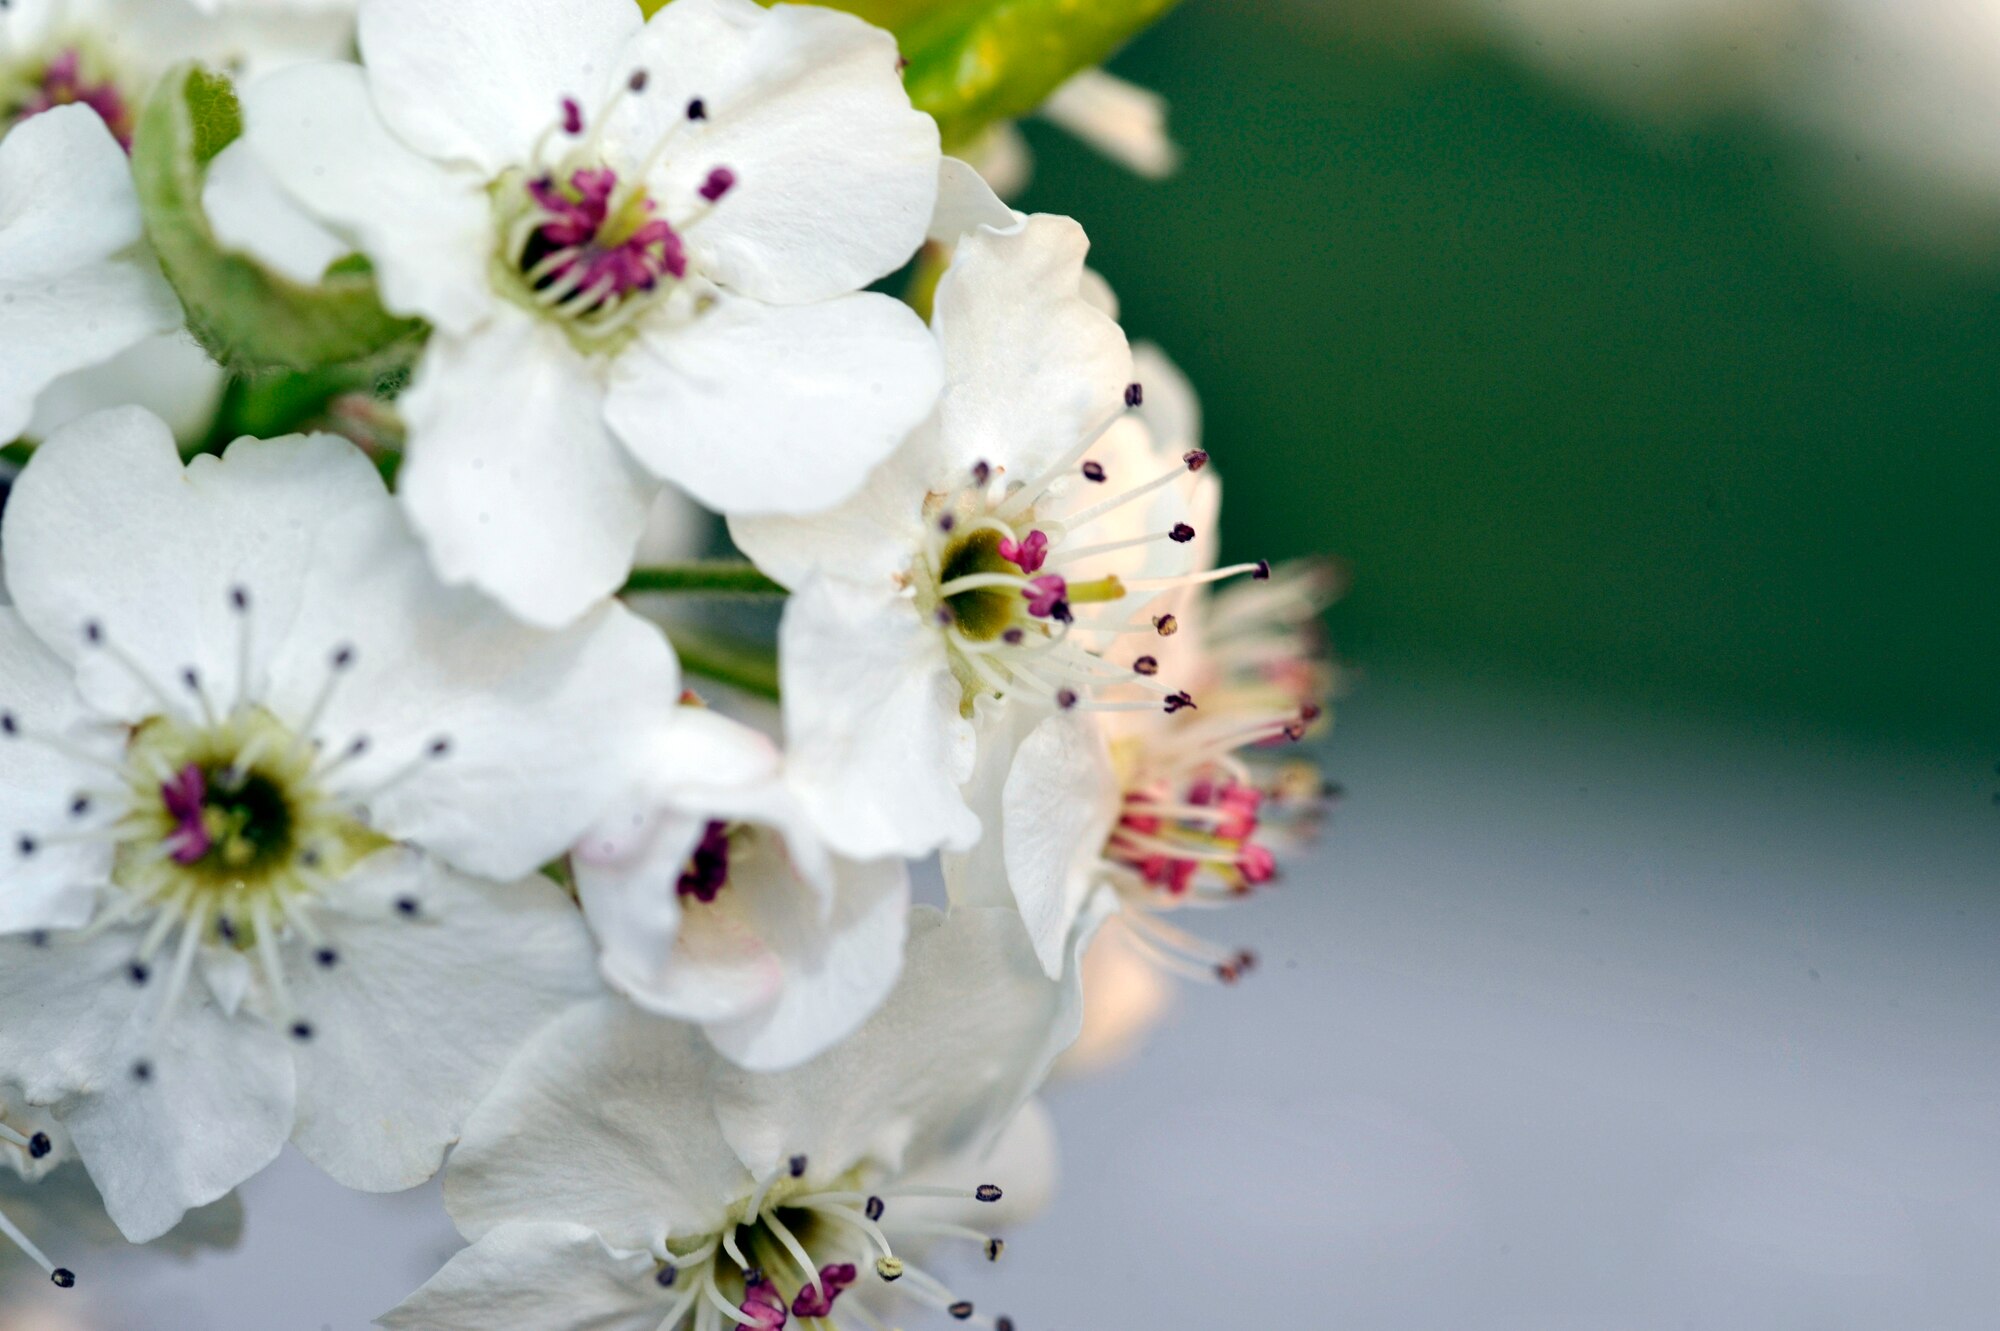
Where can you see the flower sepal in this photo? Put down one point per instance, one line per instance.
(247, 316)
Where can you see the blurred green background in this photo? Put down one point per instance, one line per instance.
(1611, 408)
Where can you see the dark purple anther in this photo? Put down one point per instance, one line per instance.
(1181, 533)
(185, 795)
(707, 871)
(572, 116)
(1027, 554)
(1195, 459)
(817, 1300)
(720, 181)
(1094, 471)
(1135, 394)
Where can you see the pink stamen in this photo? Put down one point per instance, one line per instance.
(817, 1301)
(185, 795)
(764, 1306)
(1171, 850)
(1047, 596)
(577, 212)
(62, 84)
(1028, 554)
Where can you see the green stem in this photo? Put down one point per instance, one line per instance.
(712, 577)
(747, 666)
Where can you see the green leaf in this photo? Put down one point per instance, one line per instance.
(248, 317)
(974, 64)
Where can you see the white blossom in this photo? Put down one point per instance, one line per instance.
(276, 799)
(641, 245)
(715, 901)
(1148, 804)
(709, 1196)
(1004, 557)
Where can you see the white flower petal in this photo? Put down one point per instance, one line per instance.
(538, 1275)
(836, 173)
(945, 1062)
(1031, 367)
(966, 202)
(512, 478)
(870, 538)
(757, 408)
(633, 906)
(477, 81)
(977, 876)
(1061, 801)
(428, 230)
(105, 525)
(1123, 121)
(168, 374)
(540, 730)
(836, 972)
(604, 1120)
(871, 711)
(56, 886)
(251, 212)
(416, 1019)
(77, 285)
(216, 1109)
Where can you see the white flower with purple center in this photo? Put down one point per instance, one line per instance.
(1001, 562)
(642, 245)
(1161, 810)
(708, 1197)
(274, 803)
(715, 901)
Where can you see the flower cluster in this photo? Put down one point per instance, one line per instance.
(348, 803)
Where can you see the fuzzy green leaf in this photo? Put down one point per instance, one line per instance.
(249, 318)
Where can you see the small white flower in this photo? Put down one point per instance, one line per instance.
(1164, 810)
(715, 901)
(255, 755)
(1006, 553)
(622, 1177)
(78, 286)
(641, 244)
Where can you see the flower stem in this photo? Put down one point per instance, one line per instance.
(711, 577)
(747, 666)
